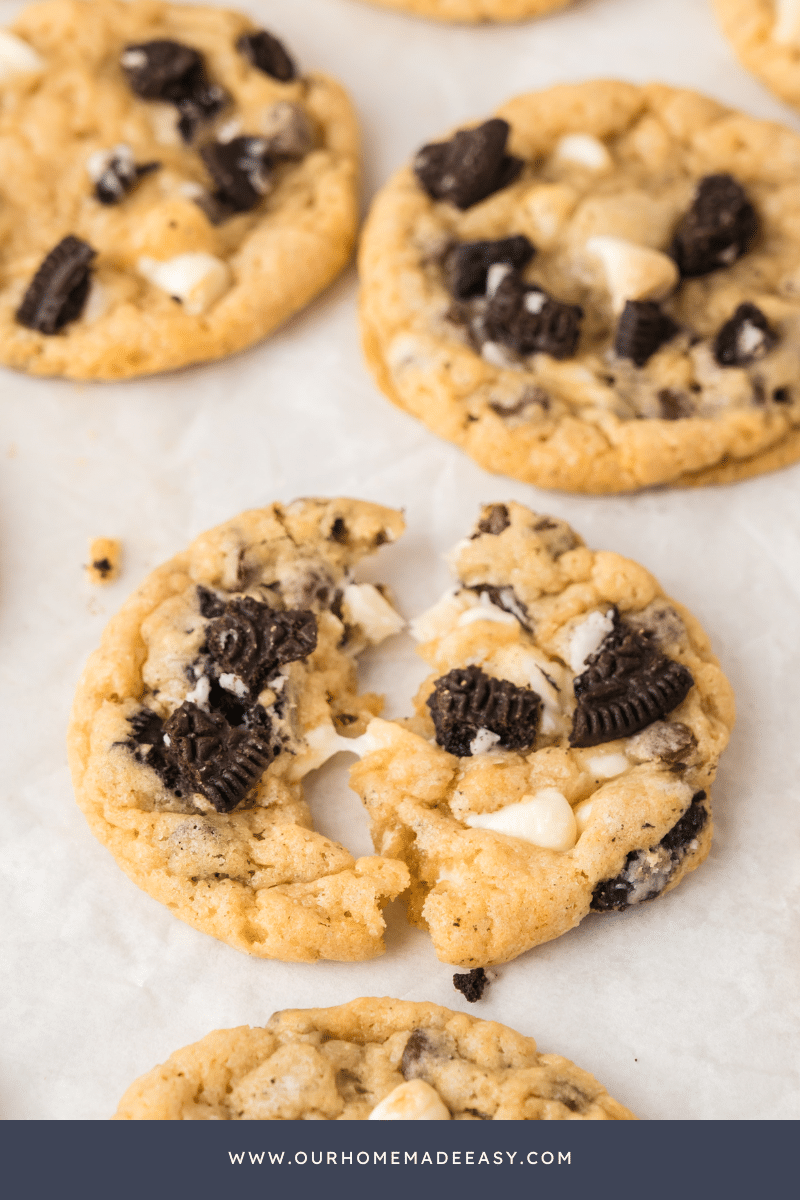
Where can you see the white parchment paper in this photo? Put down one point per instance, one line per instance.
(686, 1008)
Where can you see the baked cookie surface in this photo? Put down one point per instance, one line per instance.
(172, 188)
(563, 748)
(598, 290)
(224, 680)
(475, 10)
(766, 37)
(371, 1059)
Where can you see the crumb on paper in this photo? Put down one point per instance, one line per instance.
(104, 560)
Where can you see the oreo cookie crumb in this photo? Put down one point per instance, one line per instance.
(717, 230)
(494, 520)
(251, 641)
(674, 405)
(470, 167)
(467, 264)
(149, 748)
(528, 321)
(472, 985)
(641, 330)
(220, 762)
(467, 700)
(116, 174)
(267, 54)
(647, 872)
(211, 605)
(241, 170)
(628, 683)
(57, 293)
(745, 338)
(174, 73)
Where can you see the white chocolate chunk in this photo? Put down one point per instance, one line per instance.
(786, 30)
(583, 815)
(323, 742)
(486, 611)
(484, 740)
(585, 151)
(633, 272)
(440, 618)
(97, 303)
(587, 638)
(606, 766)
(197, 280)
(414, 1100)
(364, 605)
(17, 56)
(545, 819)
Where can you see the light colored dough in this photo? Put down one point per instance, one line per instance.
(749, 26)
(280, 254)
(598, 432)
(337, 1064)
(259, 878)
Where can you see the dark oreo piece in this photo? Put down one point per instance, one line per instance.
(267, 54)
(614, 895)
(674, 404)
(529, 321)
(418, 1045)
(169, 71)
(466, 700)
(219, 762)
(472, 985)
(470, 167)
(717, 230)
(57, 293)
(241, 171)
(627, 685)
(149, 748)
(119, 177)
(495, 520)
(251, 640)
(745, 338)
(467, 265)
(211, 605)
(641, 330)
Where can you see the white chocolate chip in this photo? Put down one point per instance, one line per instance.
(17, 56)
(633, 272)
(197, 280)
(364, 606)
(545, 819)
(585, 151)
(583, 814)
(414, 1100)
(484, 740)
(786, 30)
(588, 637)
(97, 303)
(534, 302)
(191, 190)
(440, 618)
(606, 766)
(486, 611)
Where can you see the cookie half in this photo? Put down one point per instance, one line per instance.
(174, 187)
(596, 290)
(225, 679)
(475, 10)
(371, 1059)
(563, 749)
(766, 37)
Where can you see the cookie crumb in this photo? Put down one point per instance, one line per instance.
(472, 984)
(104, 560)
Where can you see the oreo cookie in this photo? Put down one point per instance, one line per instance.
(641, 330)
(628, 683)
(251, 641)
(472, 984)
(467, 700)
(467, 264)
(267, 54)
(745, 338)
(470, 167)
(116, 174)
(176, 74)
(220, 762)
(57, 293)
(241, 170)
(717, 230)
(528, 321)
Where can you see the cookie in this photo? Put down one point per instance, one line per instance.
(563, 748)
(369, 1060)
(766, 37)
(596, 290)
(475, 10)
(224, 680)
(175, 186)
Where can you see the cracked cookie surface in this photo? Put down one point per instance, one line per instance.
(195, 188)
(475, 10)
(563, 749)
(226, 678)
(371, 1059)
(548, 290)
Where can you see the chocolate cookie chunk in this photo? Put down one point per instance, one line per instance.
(466, 265)
(470, 167)
(267, 54)
(472, 985)
(467, 701)
(720, 227)
(169, 71)
(57, 293)
(219, 762)
(642, 329)
(627, 685)
(251, 641)
(745, 338)
(528, 321)
(241, 170)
